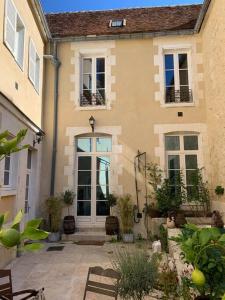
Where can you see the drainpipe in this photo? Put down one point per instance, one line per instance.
(57, 64)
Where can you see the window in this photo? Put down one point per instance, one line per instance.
(34, 66)
(182, 159)
(177, 83)
(117, 23)
(14, 32)
(7, 171)
(93, 81)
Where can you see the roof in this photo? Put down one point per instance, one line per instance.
(138, 20)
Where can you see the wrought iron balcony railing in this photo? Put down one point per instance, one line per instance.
(92, 99)
(179, 96)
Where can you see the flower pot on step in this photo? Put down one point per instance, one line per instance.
(54, 237)
(128, 237)
(112, 225)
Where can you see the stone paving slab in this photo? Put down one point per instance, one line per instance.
(63, 274)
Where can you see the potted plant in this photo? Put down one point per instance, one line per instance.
(126, 214)
(204, 249)
(111, 222)
(54, 210)
(138, 272)
(219, 190)
(68, 221)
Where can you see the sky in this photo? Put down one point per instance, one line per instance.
(80, 5)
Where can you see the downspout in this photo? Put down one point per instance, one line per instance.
(57, 64)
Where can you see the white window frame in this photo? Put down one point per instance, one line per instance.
(175, 53)
(182, 153)
(14, 50)
(37, 67)
(8, 171)
(94, 81)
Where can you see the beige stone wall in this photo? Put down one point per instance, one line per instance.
(135, 108)
(213, 40)
(26, 97)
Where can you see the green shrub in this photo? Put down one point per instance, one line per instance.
(54, 210)
(163, 236)
(139, 274)
(126, 213)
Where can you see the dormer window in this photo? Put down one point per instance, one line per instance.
(117, 23)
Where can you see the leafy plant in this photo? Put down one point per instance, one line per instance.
(126, 214)
(154, 175)
(171, 194)
(219, 190)
(68, 198)
(138, 274)
(112, 201)
(54, 210)
(205, 250)
(168, 283)
(10, 145)
(11, 236)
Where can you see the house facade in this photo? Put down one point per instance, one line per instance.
(140, 74)
(22, 47)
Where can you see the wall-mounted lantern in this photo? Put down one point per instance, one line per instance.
(92, 123)
(38, 138)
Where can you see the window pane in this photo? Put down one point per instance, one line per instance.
(84, 177)
(100, 96)
(174, 162)
(87, 82)
(191, 177)
(191, 142)
(87, 66)
(7, 163)
(29, 159)
(174, 177)
(169, 63)
(102, 192)
(191, 161)
(83, 208)
(192, 192)
(84, 145)
(102, 177)
(103, 163)
(100, 78)
(183, 63)
(172, 143)
(103, 144)
(84, 163)
(6, 178)
(102, 209)
(185, 95)
(169, 78)
(100, 65)
(84, 193)
(183, 77)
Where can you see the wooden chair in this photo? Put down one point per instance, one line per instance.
(102, 288)
(6, 291)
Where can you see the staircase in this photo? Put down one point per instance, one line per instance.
(87, 234)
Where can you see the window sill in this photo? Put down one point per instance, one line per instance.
(94, 107)
(4, 192)
(165, 105)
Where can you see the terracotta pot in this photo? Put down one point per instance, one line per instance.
(69, 225)
(180, 220)
(112, 225)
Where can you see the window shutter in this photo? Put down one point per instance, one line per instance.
(10, 25)
(37, 73)
(32, 62)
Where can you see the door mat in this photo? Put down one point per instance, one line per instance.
(55, 248)
(90, 243)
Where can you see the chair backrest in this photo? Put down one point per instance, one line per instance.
(6, 284)
(99, 287)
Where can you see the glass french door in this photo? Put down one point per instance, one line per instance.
(93, 165)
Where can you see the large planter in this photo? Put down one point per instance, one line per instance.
(111, 225)
(54, 237)
(128, 237)
(154, 213)
(69, 224)
(180, 220)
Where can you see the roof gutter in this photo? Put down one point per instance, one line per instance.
(202, 15)
(123, 36)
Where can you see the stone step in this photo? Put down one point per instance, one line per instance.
(87, 236)
(90, 229)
